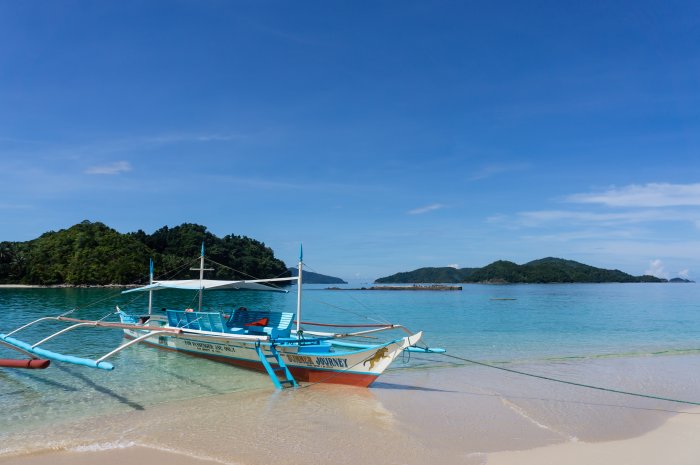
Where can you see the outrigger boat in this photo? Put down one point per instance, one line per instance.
(274, 342)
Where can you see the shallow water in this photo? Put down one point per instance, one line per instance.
(638, 337)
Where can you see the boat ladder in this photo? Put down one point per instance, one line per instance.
(282, 368)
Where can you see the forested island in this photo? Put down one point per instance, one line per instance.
(91, 253)
(94, 254)
(545, 270)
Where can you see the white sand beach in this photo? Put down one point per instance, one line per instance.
(469, 415)
(673, 443)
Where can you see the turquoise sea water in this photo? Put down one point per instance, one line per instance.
(544, 325)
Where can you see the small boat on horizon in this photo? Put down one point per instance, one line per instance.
(263, 340)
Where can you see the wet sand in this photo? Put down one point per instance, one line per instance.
(468, 415)
(133, 454)
(674, 443)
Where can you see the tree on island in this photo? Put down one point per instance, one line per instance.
(545, 270)
(93, 254)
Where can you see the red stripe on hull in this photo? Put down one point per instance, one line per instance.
(34, 364)
(300, 374)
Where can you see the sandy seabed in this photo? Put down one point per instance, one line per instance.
(466, 415)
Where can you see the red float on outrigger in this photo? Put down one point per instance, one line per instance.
(33, 363)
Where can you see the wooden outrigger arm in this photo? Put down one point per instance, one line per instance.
(34, 351)
(133, 341)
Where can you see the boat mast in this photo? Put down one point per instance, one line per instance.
(201, 270)
(150, 293)
(301, 257)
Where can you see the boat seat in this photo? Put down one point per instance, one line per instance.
(205, 321)
(279, 324)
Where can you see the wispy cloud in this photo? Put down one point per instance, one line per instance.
(536, 218)
(656, 268)
(647, 195)
(190, 137)
(454, 265)
(115, 147)
(117, 167)
(583, 235)
(494, 169)
(253, 182)
(426, 209)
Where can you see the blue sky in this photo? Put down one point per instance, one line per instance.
(385, 136)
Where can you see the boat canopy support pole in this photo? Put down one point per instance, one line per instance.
(201, 270)
(301, 257)
(130, 343)
(150, 292)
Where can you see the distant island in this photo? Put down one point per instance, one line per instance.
(310, 277)
(545, 270)
(680, 280)
(94, 254)
(431, 287)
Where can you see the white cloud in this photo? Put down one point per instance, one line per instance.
(535, 218)
(426, 209)
(656, 268)
(497, 218)
(647, 195)
(582, 235)
(117, 167)
(677, 251)
(685, 274)
(454, 265)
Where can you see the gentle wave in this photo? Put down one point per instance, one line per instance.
(102, 446)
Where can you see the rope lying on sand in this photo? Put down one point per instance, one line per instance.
(531, 375)
(563, 381)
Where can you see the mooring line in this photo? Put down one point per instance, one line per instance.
(563, 381)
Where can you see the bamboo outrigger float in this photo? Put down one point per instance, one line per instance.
(257, 339)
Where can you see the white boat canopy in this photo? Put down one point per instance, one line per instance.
(211, 284)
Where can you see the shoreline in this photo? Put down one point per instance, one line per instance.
(392, 287)
(119, 455)
(414, 287)
(66, 286)
(672, 443)
(453, 414)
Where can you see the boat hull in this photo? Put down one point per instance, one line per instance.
(355, 368)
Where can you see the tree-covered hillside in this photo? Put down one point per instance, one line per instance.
(545, 270)
(94, 254)
(430, 275)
